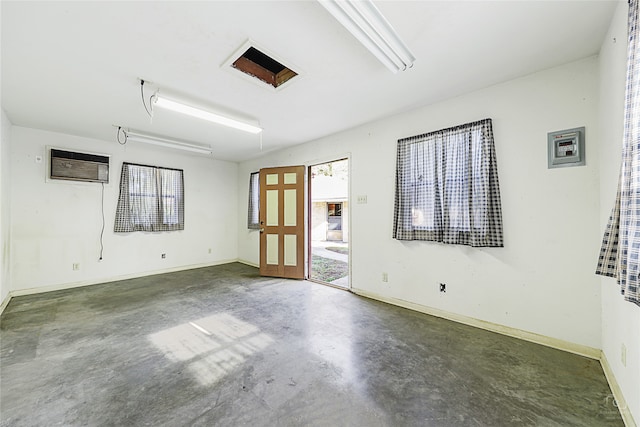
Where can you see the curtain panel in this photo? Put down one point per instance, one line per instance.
(620, 250)
(447, 187)
(151, 199)
(254, 201)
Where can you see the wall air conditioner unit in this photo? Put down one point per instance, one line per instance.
(79, 166)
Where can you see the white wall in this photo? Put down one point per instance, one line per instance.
(5, 204)
(620, 319)
(542, 281)
(58, 223)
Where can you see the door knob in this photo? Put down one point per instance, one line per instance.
(262, 230)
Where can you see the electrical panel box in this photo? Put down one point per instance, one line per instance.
(566, 148)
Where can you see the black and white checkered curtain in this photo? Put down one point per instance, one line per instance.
(254, 201)
(151, 199)
(620, 250)
(447, 187)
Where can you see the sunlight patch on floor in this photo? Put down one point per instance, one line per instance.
(213, 346)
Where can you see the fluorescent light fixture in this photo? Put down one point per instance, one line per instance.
(179, 107)
(366, 23)
(133, 135)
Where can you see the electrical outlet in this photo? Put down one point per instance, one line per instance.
(76, 266)
(163, 256)
(623, 355)
(443, 287)
(362, 200)
(385, 277)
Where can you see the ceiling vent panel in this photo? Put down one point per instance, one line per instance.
(259, 66)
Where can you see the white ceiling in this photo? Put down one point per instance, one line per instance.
(73, 67)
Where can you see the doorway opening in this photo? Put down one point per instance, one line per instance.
(329, 223)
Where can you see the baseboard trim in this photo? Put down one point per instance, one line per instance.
(5, 302)
(71, 285)
(250, 264)
(621, 403)
(559, 344)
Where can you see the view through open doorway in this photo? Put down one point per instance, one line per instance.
(329, 223)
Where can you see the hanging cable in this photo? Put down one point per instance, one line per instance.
(149, 112)
(102, 231)
(123, 132)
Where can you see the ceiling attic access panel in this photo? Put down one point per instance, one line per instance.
(260, 66)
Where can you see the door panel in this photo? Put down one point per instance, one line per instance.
(290, 250)
(290, 218)
(282, 222)
(272, 208)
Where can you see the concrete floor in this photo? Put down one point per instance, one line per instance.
(222, 346)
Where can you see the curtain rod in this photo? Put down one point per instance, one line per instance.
(151, 166)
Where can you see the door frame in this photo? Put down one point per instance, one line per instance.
(309, 208)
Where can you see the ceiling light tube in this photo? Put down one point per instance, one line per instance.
(136, 136)
(367, 24)
(163, 102)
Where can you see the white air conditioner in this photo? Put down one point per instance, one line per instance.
(79, 166)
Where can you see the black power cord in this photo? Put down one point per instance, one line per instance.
(102, 231)
(121, 132)
(143, 101)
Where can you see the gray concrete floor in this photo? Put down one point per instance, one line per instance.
(222, 346)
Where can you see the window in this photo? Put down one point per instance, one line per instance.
(447, 187)
(334, 214)
(254, 201)
(151, 199)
